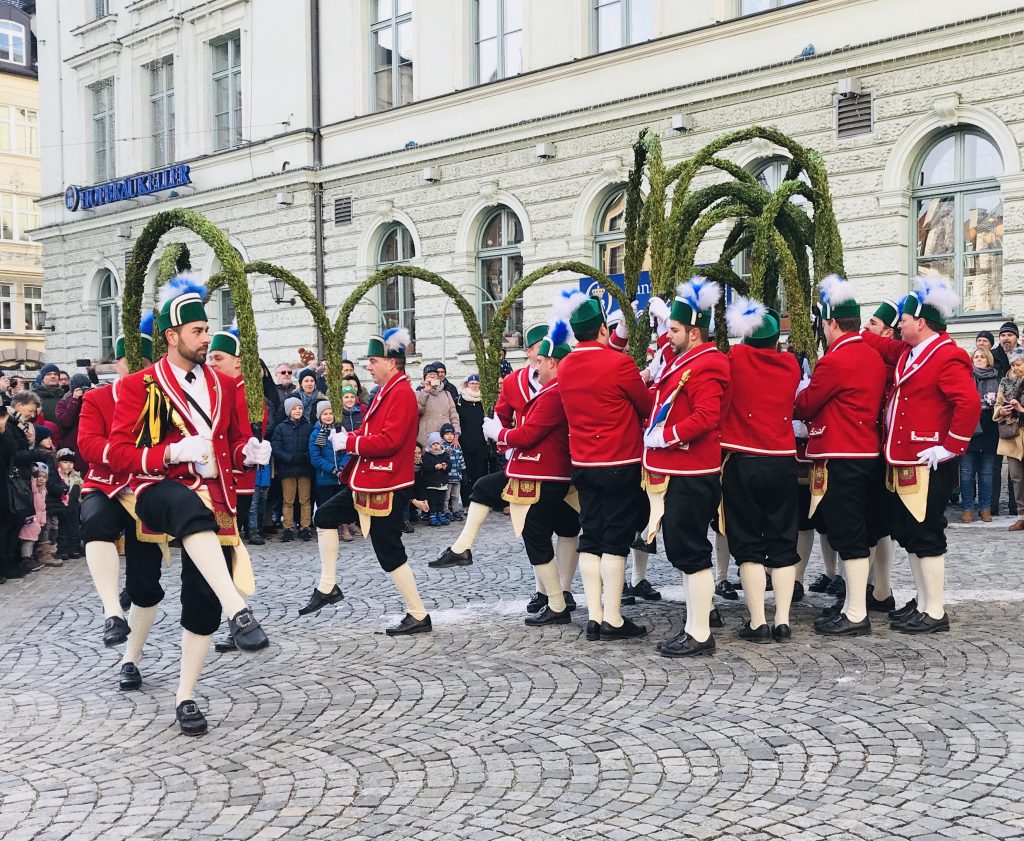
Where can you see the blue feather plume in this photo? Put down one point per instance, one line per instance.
(559, 333)
(179, 285)
(146, 325)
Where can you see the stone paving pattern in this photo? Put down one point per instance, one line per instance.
(489, 730)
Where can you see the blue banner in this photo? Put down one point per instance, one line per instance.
(643, 291)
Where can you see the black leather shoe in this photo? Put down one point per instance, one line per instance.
(256, 539)
(726, 590)
(248, 634)
(627, 599)
(819, 584)
(880, 605)
(593, 631)
(715, 619)
(130, 678)
(627, 630)
(762, 634)
(115, 631)
(408, 625)
(905, 611)
(906, 619)
(643, 590)
(843, 627)
(190, 718)
(537, 603)
(570, 601)
(226, 644)
(686, 646)
(833, 609)
(798, 592)
(837, 587)
(125, 600)
(448, 558)
(781, 633)
(319, 600)
(925, 624)
(549, 617)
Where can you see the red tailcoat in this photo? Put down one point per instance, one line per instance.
(841, 405)
(230, 432)
(540, 441)
(932, 402)
(760, 416)
(693, 427)
(384, 446)
(606, 403)
(94, 424)
(515, 392)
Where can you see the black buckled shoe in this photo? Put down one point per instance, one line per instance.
(448, 558)
(924, 624)
(726, 590)
(408, 626)
(549, 617)
(762, 634)
(903, 612)
(115, 631)
(130, 677)
(247, 633)
(125, 600)
(715, 619)
(643, 590)
(627, 599)
(319, 600)
(837, 587)
(781, 633)
(905, 619)
(840, 626)
(570, 601)
(537, 603)
(627, 630)
(798, 592)
(593, 631)
(833, 609)
(819, 584)
(880, 605)
(190, 718)
(226, 644)
(683, 645)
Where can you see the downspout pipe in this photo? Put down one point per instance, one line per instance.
(318, 190)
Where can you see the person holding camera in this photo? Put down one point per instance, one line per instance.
(436, 407)
(1007, 412)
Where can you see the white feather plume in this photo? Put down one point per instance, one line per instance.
(396, 338)
(565, 303)
(937, 292)
(835, 290)
(699, 292)
(178, 285)
(744, 315)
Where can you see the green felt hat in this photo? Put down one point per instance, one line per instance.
(391, 345)
(933, 299)
(535, 334)
(767, 334)
(837, 300)
(226, 342)
(555, 351)
(147, 347)
(695, 299)
(587, 317)
(888, 312)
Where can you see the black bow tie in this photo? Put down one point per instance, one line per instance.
(190, 377)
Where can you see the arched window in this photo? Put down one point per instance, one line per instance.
(958, 209)
(225, 303)
(397, 299)
(108, 294)
(499, 268)
(610, 234)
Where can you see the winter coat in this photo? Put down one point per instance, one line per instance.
(290, 445)
(432, 477)
(57, 490)
(1010, 388)
(436, 409)
(471, 422)
(322, 455)
(68, 410)
(32, 528)
(986, 434)
(456, 464)
(16, 451)
(49, 398)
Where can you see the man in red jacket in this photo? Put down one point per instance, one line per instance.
(380, 475)
(840, 406)
(180, 428)
(759, 474)
(606, 403)
(930, 416)
(683, 457)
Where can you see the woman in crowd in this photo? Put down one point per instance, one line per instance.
(474, 445)
(976, 464)
(1007, 413)
(309, 393)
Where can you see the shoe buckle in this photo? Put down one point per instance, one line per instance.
(244, 619)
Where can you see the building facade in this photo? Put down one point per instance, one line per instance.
(482, 139)
(21, 259)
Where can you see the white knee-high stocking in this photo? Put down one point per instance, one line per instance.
(933, 574)
(590, 572)
(205, 551)
(783, 580)
(881, 564)
(140, 620)
(699, 602)
(721, 559)
(567, 557)
(193, 654)
(548, 576)
(327, 543)
(856, 605)
(804, 544)
(613, 577)
(828, 555)
(915, 570)
(104, 564)
(475, 516)
(405, 581)
(538, 585)
(754, 581)
(640, 557)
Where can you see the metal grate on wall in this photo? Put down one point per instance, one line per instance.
(343, 210)
(127, 259)
(854, 115)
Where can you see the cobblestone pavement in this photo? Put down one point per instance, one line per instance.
(487, 729)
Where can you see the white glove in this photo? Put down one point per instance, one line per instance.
(806, 381)
(654, 439)
(621, 328)
(933, 455)
(338, 439)
(256, 452)
(190, 448)
(800, 429)
(659, 314)
(656, 365)
(492, 426)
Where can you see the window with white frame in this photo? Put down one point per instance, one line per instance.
(391, 47)
(957, 207)
(498, 38)
(6, 306)
(19, 130)
(33, 299)
(103, 165)
(12, 42)
(18, 216)
(610, 234)
(102, 8)
(397, 298)
(161, 110)
(107, 296)
(499, 268)
(618, 23)
(225, 303)
(227, 92)
(750, 7)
